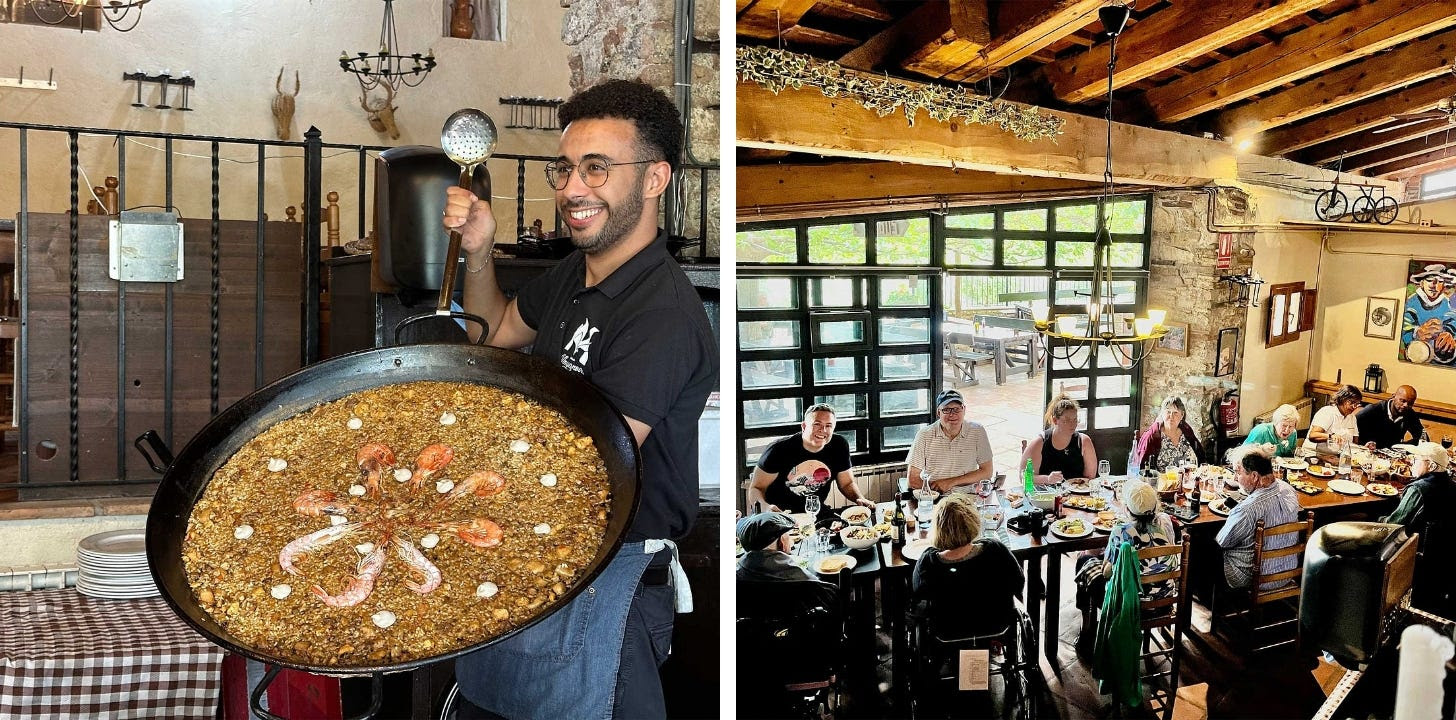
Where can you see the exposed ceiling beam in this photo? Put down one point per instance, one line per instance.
(964, 30)
(1360, 32)
(1028, 38)
(1327, 152)
(1417, 62)
(803, 35)
(1364, 116)
(765, 19)
(1423, 163)
(1441, 135)
(924, 25)
(766, 186)
(1165, 39)
(864, 9)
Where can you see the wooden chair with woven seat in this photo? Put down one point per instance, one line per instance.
(1270, 591)
(1163, 622)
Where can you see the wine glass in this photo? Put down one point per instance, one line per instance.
(1446, 441)
(1104, 468)
(812, 505)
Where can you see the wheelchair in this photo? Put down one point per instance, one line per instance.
(790, 640)
(1014, 669)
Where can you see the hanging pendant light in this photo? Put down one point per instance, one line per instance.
(388, 66)
(117, 13)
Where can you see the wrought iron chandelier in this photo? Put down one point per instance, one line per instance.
(388, 66)
(116, 13)
(1097, 327)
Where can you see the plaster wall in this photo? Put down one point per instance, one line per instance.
(52, 541)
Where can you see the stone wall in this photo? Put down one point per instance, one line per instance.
(634, 39)
(1183, 280)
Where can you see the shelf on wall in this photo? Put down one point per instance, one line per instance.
(1367, 227)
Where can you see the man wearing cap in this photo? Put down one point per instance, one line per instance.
(801, 465)
(1425, 508)
(952, 451)
(1426, 319)
(765, 538)
(1388, 422)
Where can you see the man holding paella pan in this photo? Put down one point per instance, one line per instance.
(622, 313)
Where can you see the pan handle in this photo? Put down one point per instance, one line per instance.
(162, 462)
(256, 701)
(484, 326)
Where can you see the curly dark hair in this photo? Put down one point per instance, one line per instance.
(659, 130)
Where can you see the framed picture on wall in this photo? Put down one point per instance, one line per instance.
(1176, 341)
(1226, 359)
(1382, 315)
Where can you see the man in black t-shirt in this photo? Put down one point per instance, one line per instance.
(802, 465)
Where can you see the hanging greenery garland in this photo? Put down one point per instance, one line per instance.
(779, 69)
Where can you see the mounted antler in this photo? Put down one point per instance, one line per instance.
(283, 105)
(381, 115)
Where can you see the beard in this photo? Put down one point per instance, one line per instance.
(621, 220)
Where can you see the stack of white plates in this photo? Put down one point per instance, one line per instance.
(114, 565)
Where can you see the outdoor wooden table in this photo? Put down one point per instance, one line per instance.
(999, 342)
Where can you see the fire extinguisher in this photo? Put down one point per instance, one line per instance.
(1228, 413)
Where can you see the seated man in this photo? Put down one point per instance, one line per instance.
(765, 538)
(1425, 508)
(952, 453)
(1269, 500)
(799, 466)
(1389, 422)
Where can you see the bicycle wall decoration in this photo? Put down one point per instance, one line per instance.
(1333, 205)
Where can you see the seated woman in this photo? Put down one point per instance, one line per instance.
(1060, 452)
(1277, 436)
(1169, 441)
(1335, 423)
(1149, 527)
(965, 585)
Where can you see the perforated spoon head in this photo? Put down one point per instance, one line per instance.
(468, 137)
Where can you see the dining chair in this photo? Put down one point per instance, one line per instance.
(1274, 592)
(1163, 622)
(790, 643)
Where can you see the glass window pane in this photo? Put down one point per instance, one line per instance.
(969, 251)
(1018, 253)
(904, 402)
(1079, 292)
(913, 291)
(772, 411)
(895, 437)
(1127, 254)
(1114, 356)
(1033, 219)
(766, 334)
(769, 373)
(837, 244)
(904, 331)
(754, 447)
(903, 242)
(1074, 254)
(771, 245)
(1077, 218)
(1077, 361)
(1114, 386)
(840, 332)
(979, 291)
(761, 293)
(851, 437)
(833, 292)
(1127, 216)
(1112, 417)
(905, 367)
(830, 371)
(1073, 387)
(847, 406)
(971, 221)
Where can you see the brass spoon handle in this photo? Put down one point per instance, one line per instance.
(452, 254)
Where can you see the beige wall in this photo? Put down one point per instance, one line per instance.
(235, 50)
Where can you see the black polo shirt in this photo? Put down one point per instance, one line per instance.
(641, 336)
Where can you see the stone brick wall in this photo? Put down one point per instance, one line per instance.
(634, 39)
(1183, 279)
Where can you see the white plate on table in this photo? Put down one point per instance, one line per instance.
(116, 542)
(849, 563)
(1291, 463)
(1220, 507)
(915, 548)
(857, 515)
(1346, 487)
(1403, 447)
(1082, 486)
(1065, 528)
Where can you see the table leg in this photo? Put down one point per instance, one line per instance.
(894, 594)
(1034, 588)
(1031, 357)
(1053, 606)
(1000, 363)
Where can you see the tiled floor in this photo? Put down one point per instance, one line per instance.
(1011, 412)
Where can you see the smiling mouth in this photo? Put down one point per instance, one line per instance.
(585, 214)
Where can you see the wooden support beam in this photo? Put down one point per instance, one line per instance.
(1365, 30)
(805, 36)
(1417, 62)
(762, 187)
(1165, 39)
(1418, 164)
(765, 19)
(1439, 136)
(863, 9)
(1327, 152)
(964, 29)
(1029, 37)
(1364, 116)
(924, 25)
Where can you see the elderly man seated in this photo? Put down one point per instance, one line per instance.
(765, 538)
(1425, 508)
(1269, 500)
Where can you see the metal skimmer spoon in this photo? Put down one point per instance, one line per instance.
(468, 139)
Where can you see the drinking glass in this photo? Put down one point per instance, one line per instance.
(1446, 441)
(1104, 468)
(822, 540)
(812, 505)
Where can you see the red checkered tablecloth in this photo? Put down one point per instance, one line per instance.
(66, 655)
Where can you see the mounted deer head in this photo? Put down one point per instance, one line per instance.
(283, 105)
(381, 114)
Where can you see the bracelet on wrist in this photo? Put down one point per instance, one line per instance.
(474, 270)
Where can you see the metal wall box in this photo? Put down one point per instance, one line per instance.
(146, 247)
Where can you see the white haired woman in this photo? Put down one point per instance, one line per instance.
(1278, 436)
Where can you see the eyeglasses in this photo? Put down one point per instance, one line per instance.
(949, 410)
(593, 172)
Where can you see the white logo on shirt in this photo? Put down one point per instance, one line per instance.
(581, 341)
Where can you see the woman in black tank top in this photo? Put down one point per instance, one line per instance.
(1060, 448)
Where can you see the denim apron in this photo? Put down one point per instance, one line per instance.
(566, 665)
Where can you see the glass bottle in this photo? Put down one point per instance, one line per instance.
(1027, 480)
(897, 523)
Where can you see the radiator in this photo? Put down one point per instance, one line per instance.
(876, 482)
(37, 578)
(1304, 405)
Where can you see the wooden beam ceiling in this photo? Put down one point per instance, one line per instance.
(765, 19)
(1440, 136)
(1358, 33)
(767, 186)
(1028, 38)
(1365, 116)
(1327, 152)
(1165, 39)
(924, 25)
(863, 9)
(1410, 64)
(1423, 163)
(963, 30)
